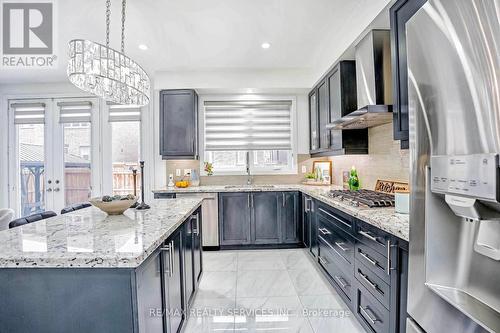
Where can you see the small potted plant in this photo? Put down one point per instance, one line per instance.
(209, 168)
(310, 177)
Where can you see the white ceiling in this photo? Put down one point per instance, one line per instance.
(200, 35)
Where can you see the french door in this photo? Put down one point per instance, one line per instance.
(53, 162)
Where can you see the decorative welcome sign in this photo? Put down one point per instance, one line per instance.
(390, 186)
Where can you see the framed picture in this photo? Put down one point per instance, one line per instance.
(325, 169)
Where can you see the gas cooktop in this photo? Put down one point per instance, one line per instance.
(368, 198)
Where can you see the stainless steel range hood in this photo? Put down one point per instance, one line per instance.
(374, 83)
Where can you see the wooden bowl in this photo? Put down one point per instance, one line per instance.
(115, 207)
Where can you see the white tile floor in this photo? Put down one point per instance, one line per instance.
(266, 291)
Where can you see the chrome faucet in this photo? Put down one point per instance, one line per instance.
(249, 179)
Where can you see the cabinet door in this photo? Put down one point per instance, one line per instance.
(290, 230)
(313, 121)
(188, 260)
(306, 227)
(313, 229)
(400, 13)
(178, 124)
(335, 107)
(197, 247)
(234, 218)
(173, 286)
(149, 293)
(265, 221)
(324, 115)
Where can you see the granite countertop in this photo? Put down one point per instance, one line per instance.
(384, 218)
(89, 238)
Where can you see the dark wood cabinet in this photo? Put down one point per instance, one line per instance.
(173, 292)
(149, 293)
(178, 124)
(400, 13)
(333, 98)
(265, 221)
(313, 121)
(259, 218)
(324, 116)
(234, 219)
(289, 217)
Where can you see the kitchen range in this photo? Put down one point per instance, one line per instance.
(214, 167)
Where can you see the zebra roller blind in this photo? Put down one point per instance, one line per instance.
(248, 125)
(29, 113)
(75, 112)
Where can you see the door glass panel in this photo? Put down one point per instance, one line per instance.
(77, 163)
(125, 146)
(31, 148)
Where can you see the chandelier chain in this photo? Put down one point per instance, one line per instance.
(108, 20)
(124, 3)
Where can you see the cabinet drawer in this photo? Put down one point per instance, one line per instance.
(339, 242)
(339, 273)
(373, 237)
(338, 218)
(373, 260)
(373, 283)
(371, 312)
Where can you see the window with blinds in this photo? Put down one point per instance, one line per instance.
(75, 112)
(28, 113)
(118, 113)
(248, 125)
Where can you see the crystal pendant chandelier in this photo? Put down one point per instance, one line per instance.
(106, 72)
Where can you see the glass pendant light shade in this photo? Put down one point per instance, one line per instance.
(107, 73)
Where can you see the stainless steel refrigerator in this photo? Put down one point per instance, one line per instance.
(454, 109)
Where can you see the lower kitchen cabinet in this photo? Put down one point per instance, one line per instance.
(289, 217)
(265, 221)
(259, 218)
(234, 219)
(367, 266)
(167, 280)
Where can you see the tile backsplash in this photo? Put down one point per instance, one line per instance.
(385, 161)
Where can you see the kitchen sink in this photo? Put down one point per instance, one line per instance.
(248, 186)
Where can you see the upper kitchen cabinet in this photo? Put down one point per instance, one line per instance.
(333, 98)
(400, 13)
(313, 121)
(178, 124)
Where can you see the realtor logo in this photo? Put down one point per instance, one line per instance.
(28, 34)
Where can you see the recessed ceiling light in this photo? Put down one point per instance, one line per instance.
(143, 47)
(266, 45)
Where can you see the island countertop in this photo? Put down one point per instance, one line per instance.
(89, 238)
(384, 218)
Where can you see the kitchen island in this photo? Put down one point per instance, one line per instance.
(89, 272)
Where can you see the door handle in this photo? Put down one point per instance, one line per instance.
(322, 260)
(324, 231)
(56, 189)
(169, 250)
(339, 244)
(49, 189)
(251, 199)
(372, 319)
(370, 260)
(283, 196)
(195, 230)
(172, 258)
(341, 281)
(248, 200)
(370, 236)
(367, 280)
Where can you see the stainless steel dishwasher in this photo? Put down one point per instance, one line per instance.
(209, 216)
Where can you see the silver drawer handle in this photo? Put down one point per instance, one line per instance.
(334, 249)
(322, 261)
(169, 248)
(339, 244)
(370, 236)
(371, 284)
(372, 319)
(370, 260)
(335, 218)
(325, 231)
(340, 281)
